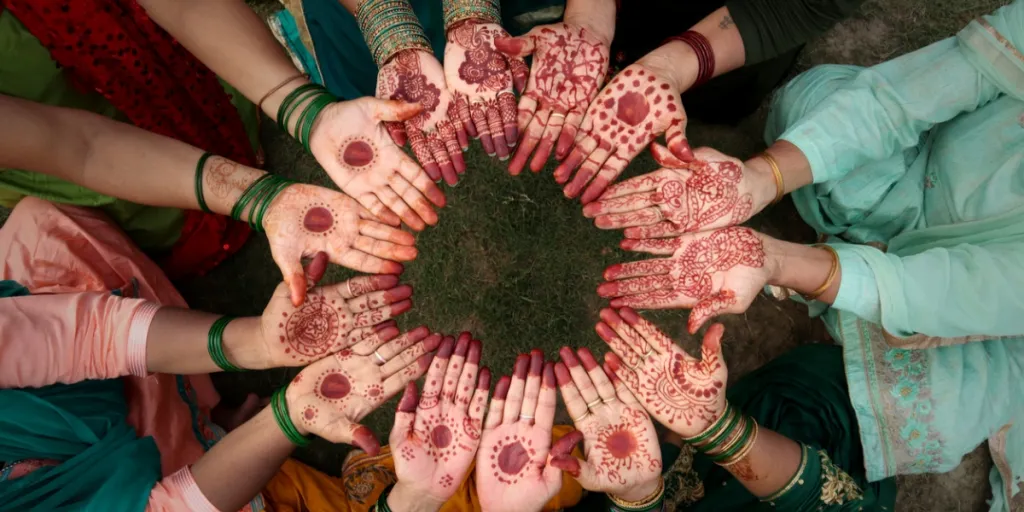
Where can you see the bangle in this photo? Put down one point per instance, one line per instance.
(736, 445)
(199, 182)
(740, 455)
(284, 421)
(215, 344)
(721, 431)
(705, 54)
(389, 27)
(713, 429)
(832, 272)
(291, 101)
(259, 195)
(780, 185)
(797, 477)
(259, 105)
(487, 11)
(382, 501)
(308, 118)
(649, 503)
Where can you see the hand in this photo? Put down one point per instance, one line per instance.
(480, 79)
(349, 140)
(633, 109)
(569, 66)
(712, 191)
(304, 220)
(436, 134)
(712, 272)
(332, 395)
(683, 393)
(435, 437)
(513, 470)
(623, 457)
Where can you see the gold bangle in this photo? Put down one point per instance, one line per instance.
(832, 272)
(259, 104)
(740, 455)
(780, 186)
(644, 503)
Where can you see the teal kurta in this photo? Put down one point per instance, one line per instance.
(923, 156)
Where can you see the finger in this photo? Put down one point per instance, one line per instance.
(532, 389)
(575, 405)
(651, 334)
(628, 354)
(613, 364)
(454, 371)
(530, 141)
(394, 110)
(449, 137)
(544, 415)
(382, 313)
(378, 210)
(465, 389)
(527, 109)
(547, 141)
(629, 336)
(386, 233)
(659, 230)
(397, 205)
(589, 168)
(373, 335)
(413, 198)
(724, 301)
(612, 169)
(520, 73)
(375, 256)
(440, 153)
(495, 126)
(570, 130)
(458, 124)
(625, 395)
(645, 183)
(516, 46)
(497, 407)
(514, 400)
(434, 382)
(405, 416)
(294, 277)
(611, 209)
(352, 433)
(403, 376)
(465, 115)
(389, 349)
(419, 179)
(659, 246)
(604, 387)
(649, 215)
(635, 286)
(507, 107)
(316, 268)
(711, 347)
(397, 132)
(479, 114)
(377, 299)
(420, 148)
(561, 458)
(675, 136)
(649, 267)
(363, 284)
(580, 152)
(580, 378)
(665, 158)
(478, 404)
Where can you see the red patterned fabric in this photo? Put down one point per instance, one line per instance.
(114, 48)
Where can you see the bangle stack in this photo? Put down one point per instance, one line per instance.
(389, 27)
(316, 98)
(705, 54)
(280, 408)
(729, 439)
(832, 272)
(455, 11)
(780, 185)
(257, 198)
(215, 344)
(647, 504)
(199, 182)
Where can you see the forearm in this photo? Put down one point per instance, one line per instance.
(231, 40)
(804, 269)
(404, 499)
(678, 62)
(793, 164)
(597, 16)
(177, 343)
(770, 465)
(242, 463)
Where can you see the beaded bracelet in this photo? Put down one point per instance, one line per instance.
(488, 11)
(705, 54)
(257, 199)
(389, 27)
(645, 505)
(279, 406)
(215, 344)
(199, 182)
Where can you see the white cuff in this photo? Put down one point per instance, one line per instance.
(138, 337)
(190, 492)
(858, 290)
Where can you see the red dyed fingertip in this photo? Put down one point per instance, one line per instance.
(610, 317)
(569, 357)
(611, 359)
(605, 332)
(401, 307)
(589, 363)
(593, 210)
(392, 267)
(628, 244)
(424, 361)
(363, 438)
(568, 464)
(461, 347)
(419, 333)
(475, 347)
(612, 272)
(522, 366)
(501, 389)
(608, 371)
(562, 375)
(384, 281)
(447, 347)
(409, 400)
(549, 375)
(433, 171)
(564, 445)
(388, 334)
(431, 343)
(536, 362)
(316, 268)
(483, 381)
(384, 325)
(629, 315)
(607, 290)
(399, 293)
(616, 303)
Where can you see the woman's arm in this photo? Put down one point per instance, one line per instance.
(597, 16)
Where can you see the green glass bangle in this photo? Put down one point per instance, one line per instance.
(721, 434)
(382, 501)
(199, 182)
(290, 102)
(256, 221)
(294, 109)
(247, 197)
(715, 427)
(215, 344)
(279, 406)
(735, 448)
(309, 117)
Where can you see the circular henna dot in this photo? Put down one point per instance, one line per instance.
(335, 386)
(633, 108)
(620, 86)
(636, 83)
(621, 444)
(665, 87)
(309, 413)
(512, 458)
(357, 154)
(609, 103)
(318, 219)
(441, 436)
(629, 72)
(650, 78)
(671, 107)
(649, 90)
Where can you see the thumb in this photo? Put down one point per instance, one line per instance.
(665, 158)
(709, 307)
(294, 277)
(711, 348)
(397, 132)
(316, 269)
(563, 459)
(516, 46)
(405, 416)
(363, 438)
(675, 136)
(394, 110)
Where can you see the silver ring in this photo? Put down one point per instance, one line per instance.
(581, 417)
(380, 358)
(608, 400)
(525, 417)
(648, 353)
(349, 285)
(595, 403)
(553, 114)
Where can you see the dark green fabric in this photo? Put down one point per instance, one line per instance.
(12, 289)
(773, 27)
(346, 64)
(803, 396)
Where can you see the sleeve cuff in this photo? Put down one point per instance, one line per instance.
(190, 492)
(138, 337)
(858, 291)
(802, 136)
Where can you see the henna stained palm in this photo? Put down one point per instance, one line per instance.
(350, 142)
(305, 220)
(711, 272)
(435, 437)
(622, 455)
(630, 112)
(481, 79)
(682, 392)
(569, 66)
(513, 469)
(332, 395)
(712, 191)
(436, 135)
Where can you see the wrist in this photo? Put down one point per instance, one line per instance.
(481, 11)
(243, 344)
(390, 27)
(272, 103)
(602, 30)
(641, 490)
(291, 399)
(675, 62)
(801, 268)
(405, 499)
(762, 177)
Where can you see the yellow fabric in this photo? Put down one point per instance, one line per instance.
(300, 488)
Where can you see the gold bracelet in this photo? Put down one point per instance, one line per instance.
(644, 503)
(832, 273)
(740, 455)
(259, 105)
(780, 186)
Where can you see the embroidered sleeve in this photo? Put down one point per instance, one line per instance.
(817, 485)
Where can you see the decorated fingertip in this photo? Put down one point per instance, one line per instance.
(628, 244)
(483, 381)
(399, 293)
(409, 400)
(568, 357)
(432, 342)
(461, 347)
(364, 439)
(536, 362)
(384, 325)
(562, 375)
(612, 272)
(475, 348)
(549, 375)
(607, 290)
(419, 333)
(501, 389)
(611, 359)
(521, 367)
(587, 358)
(401, 307)
(610, 317)
(424, 361)
(608, 371)
(629, 315)
(605, 332)
(447, 347)
(388, 334)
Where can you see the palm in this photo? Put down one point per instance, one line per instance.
(350, 143)
(621, 446)
(510, 465)
(441, 449)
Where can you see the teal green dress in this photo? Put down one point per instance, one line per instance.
(918, 168)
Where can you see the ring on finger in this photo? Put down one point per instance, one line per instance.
(525, 417)
(647, 354)
(608, 400)
(379, 358)
(581, 416)
(349, 285)
(558, 114)
(595, 403)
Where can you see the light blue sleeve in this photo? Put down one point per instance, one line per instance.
(964, 290)
(885, 109)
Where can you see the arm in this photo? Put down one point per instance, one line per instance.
(597, 16)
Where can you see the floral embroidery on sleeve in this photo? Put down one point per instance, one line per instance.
(837, 487)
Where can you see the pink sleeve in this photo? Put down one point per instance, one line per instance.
(66, 338)
(179, 492)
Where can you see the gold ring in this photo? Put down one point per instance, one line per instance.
(380, 358)
(581, 417)
(595, 403)
(648, 353)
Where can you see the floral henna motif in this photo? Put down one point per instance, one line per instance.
(508, 458)
(721, 251)
(684, 389)
(633, 109)
(617, 448)
(484, 66)
(311, 331)
(403, 79)
(568, 70)
(708, 194)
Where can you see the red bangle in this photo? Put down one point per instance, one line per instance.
(705, 54)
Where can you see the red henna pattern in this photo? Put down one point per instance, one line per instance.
(568, 69)
(684, 389)
(318, 220)
(403, 79)
(312, 329)
(721, 251)
(508, 458)
(708, 194)
(357, 154)
(484, 66)
(632, 110)
(334, 385)
(471, 427)
(618, 451)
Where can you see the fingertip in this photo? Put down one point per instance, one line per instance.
(475, 348)
(384, 325)
(501, 389)
(605, 332)
(612, 271)
(365, 440)
(628, 244)
(587, 358)
(419, 333)
(562, 375)
(536, 362)
(388, 334)
(522, 366)
(432, 342)
(483, 381)
(409, 400)
(610, 317)
(549, 375)
(398, 293)
(569, 357)
(607, 289)
(386, 281)
(401, 307)
(447, 347)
